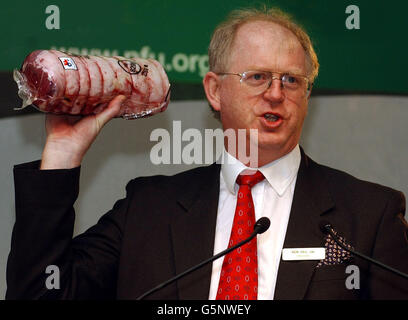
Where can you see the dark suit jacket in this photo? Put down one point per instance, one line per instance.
(167, 224)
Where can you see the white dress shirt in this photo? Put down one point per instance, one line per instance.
(273, 199)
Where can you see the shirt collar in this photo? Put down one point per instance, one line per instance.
(279, 173)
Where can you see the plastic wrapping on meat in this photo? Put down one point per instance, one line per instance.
(62, 83)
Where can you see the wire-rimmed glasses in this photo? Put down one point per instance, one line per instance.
(258, 82)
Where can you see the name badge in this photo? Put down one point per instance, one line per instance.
(292, 254)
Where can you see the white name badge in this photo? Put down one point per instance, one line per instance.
(292, 254)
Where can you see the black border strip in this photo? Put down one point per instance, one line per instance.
(200, 309)
(179, 91)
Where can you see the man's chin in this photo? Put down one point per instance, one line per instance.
(274, 148)
(270, 144)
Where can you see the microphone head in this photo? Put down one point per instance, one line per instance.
(262, 225)
(325, 226)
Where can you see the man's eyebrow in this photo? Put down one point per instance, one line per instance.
(294, 71)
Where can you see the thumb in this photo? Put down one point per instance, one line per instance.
(110, 111)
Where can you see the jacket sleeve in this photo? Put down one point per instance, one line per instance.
(42, 237)
(391, 248)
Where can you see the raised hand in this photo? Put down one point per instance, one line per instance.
(69, 137)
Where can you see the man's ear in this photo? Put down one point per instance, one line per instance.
(211, 83)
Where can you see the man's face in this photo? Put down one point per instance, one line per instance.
(264, 46)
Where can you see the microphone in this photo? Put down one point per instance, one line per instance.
(260, 227)
(327, 228)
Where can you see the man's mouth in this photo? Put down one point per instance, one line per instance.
(271, 117)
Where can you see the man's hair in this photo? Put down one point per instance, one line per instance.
(219, 51)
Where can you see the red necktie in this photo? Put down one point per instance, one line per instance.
(239, 274)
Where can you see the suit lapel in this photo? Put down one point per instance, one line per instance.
(311, 199)
(193, 232)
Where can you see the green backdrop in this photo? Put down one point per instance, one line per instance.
(372, 59)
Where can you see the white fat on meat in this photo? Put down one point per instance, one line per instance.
(95, 82)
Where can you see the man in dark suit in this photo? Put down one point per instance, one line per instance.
(262, 67)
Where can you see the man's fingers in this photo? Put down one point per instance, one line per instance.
(111, 111)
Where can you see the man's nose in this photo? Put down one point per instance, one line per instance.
(275, 91)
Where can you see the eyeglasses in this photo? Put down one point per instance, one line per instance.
(258, 82)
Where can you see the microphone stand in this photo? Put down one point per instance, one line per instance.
(328, 228)
(222, 253)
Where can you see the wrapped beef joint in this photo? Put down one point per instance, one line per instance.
(62, 83)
